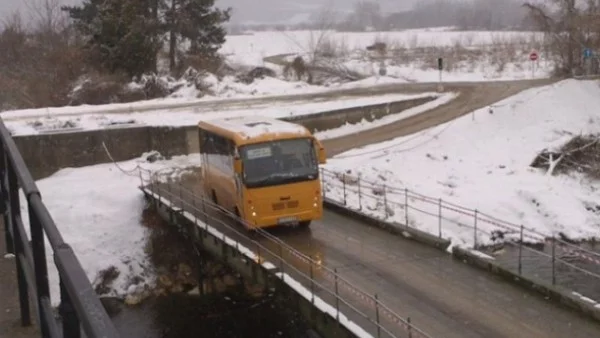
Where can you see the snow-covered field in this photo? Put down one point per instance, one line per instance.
(103, 227)
(31, 123)
(411, 56)
(481, 161)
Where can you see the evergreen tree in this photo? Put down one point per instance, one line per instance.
(121, 35)
(197, 22)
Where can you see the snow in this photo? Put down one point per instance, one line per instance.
(504, 55)
(586, 299)
(349, 129)
(481, 160)
(93, 208)
(480, 254)
(254, 126)
(323, 306)
(31, 122)
(498, 56)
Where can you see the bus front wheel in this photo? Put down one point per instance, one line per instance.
(305, 224)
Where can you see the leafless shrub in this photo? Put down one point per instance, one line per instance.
(214, 65)
(39, 62)
(581, 154)
(102, 89)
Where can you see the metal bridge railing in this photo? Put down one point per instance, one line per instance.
(322, 281)
(533, 253)
(79, 305)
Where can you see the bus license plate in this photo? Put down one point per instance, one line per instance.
(287, 220)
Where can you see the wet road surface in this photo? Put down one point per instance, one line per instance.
(441, 295)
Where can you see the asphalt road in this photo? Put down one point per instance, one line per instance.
(442, 296)
(472, 96)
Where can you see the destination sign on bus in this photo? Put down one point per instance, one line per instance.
(258, 153)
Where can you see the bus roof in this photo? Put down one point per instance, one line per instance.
(253, 129)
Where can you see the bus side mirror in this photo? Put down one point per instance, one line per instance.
(237, 166)
(320, 152)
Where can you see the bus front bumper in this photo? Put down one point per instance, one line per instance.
(290, 219)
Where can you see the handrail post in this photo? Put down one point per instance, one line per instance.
(15, 209)
(344, 187)
(10, 242)
(475, 230)
(337, 297)
(312, 281)
(377, 315)
(553, 260)
(70, 321)
(406, 207)
(359, 194)
(520, 266)
(39, 262)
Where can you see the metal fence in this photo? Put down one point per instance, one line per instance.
(79, 305)
(327, 287)
(525, 250)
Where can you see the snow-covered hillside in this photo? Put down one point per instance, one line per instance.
(482, 161)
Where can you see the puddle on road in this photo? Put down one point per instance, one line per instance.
(175, 309)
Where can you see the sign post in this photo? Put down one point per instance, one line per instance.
(533, 56)
(440, 62)
(587, 59)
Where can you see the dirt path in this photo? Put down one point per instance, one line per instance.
(472, 96)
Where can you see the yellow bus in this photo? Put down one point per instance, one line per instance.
(264, 170)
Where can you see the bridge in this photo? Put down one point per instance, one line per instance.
(387, 285)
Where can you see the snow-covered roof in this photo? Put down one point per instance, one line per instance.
(251, 127)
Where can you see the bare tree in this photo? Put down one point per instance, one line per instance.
(46, 15)
(38, 61)
(570, 26)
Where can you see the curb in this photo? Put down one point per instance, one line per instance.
(394, 228)
(556, 294)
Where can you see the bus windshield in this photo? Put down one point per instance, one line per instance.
(279, 162)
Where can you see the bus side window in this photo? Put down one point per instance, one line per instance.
(202, 140)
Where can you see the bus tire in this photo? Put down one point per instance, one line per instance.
(238, 218)
(304, 224)
(213, 196)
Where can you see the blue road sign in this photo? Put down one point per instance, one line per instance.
(587, 53)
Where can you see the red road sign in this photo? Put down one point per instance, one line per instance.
(533, 56)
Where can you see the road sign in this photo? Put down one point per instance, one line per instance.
(587, 53)
(533, 56)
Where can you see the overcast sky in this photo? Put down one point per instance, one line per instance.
(252, 10)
